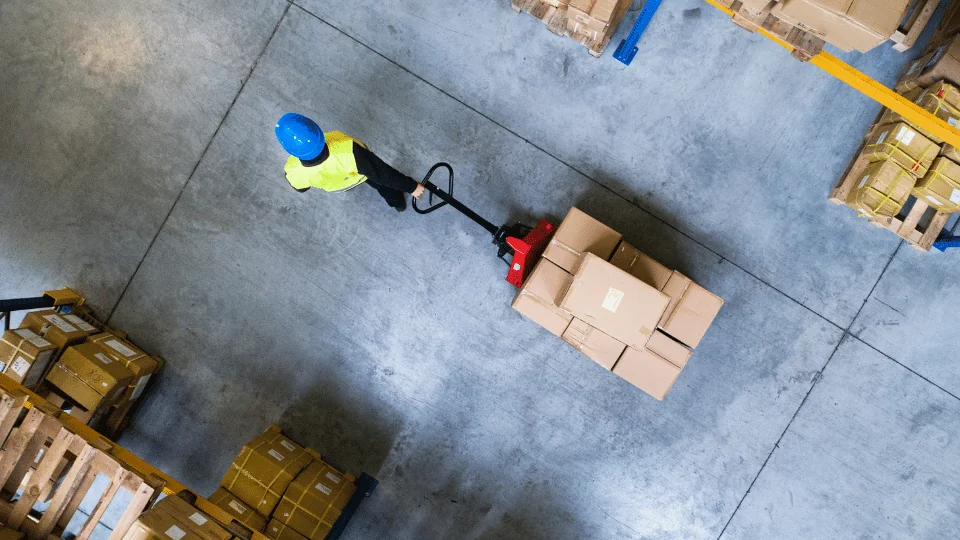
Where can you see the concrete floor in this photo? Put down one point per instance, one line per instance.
(139, 165)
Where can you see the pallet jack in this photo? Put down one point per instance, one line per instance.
(523, 243)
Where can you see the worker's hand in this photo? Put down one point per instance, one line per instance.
(417, 193)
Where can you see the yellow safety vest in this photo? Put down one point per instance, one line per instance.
(337, 173)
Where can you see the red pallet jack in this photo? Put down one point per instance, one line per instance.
(524, 244)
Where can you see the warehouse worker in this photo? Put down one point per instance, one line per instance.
(336, 162)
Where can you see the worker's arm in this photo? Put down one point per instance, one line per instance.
(379, 172)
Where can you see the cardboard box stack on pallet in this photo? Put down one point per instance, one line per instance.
(591, 23)
(850, 25)
(904, 178)
(284, 490)
(616, 305)
(97, 376)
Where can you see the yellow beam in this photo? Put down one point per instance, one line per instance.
(872, 89)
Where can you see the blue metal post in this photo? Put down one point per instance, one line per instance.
(628, 47)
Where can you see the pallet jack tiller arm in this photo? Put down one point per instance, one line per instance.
(57, 298)
(522, 243)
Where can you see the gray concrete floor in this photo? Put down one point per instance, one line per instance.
(139, 165)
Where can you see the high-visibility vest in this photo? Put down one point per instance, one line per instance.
(337, 173)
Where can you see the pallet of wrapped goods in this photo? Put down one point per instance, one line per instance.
(591, 23)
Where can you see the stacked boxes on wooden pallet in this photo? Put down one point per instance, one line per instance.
(616, 305)
(280, 488)
(848, 25)
(591, 23)
(46, 470)
(76, 363)
(903, 178)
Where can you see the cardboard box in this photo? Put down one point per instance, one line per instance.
(640, 265)
(264, 469)
(951, 153)
(837, 26)
(883, 189)
(943, 64)
(172, 518)
(54, 328)
(691, 311)
(903, 144)
(25, 356)
(669, 349)
(933, 100)
(591, 16)
(615, 302)
(579, 234)
(539, 296)
(6, 533)
(647, 371)
(279, 531)
(940, 188)
(238, 509)
(314, 500)
(138, 362)
(593, 343)
(89, 377)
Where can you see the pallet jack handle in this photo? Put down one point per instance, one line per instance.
(447, 198)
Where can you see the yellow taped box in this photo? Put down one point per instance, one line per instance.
(615, 302)
(138, 362)
(89, 377)
(940, 188)
(579, 234)
(25, 356)
(264, 469)
(56, 328)
(931, 100)
(903, 144)
(943, 64)
(883, 189)
(951, 152)
(172, 518)
(593, 343)
(280, 531)
(537, 299)
(315, 499)
(240, 510)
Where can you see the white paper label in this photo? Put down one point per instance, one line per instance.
(276, 455)
(905, 135)
(3, 367)
(287, 444)
(120, 348)
(25, 333)
(933, 200)
(323, 489)
(60, 323)
(103, 358)
(175, 532)
(612, 300)
(955, 196)
(883, 137)
(20, 366)
(237, 507)
(138, 389)
(864, 181)
(80, 323)
(198, 519)
(333, 477)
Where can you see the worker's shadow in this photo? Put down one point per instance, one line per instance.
(351, 430)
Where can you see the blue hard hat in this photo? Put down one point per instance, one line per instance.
(300, 136)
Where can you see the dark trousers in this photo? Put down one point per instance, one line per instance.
(394, 197)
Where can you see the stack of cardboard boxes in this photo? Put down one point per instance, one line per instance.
(848, 25)
(589, 22)
(96, 375)
(277, 487)
(616, 305)
(172, 518)
(906, 160)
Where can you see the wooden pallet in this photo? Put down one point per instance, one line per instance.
(917, 223)
(553, 13)
(42, 458)
(909, 32)
(805, 45)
